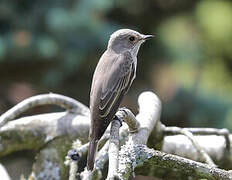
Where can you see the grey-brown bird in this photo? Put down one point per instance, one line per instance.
(112, 78)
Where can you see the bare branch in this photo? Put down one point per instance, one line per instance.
(73, 170)
(44, 99)
(148, 117)
(102, 157)
(205, 131)
(204, 156)
(4, 174)
(86, 175)
(113, 149)
(212, 131)
(72, 158)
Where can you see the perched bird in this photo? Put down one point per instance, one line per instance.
(112, 78)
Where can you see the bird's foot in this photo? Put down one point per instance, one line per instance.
(122, 112)
(123, 109)
(120, 115)
(116, 117)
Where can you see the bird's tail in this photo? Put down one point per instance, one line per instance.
(91, 154)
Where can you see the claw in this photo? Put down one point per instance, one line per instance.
(119, 119)
(124, 109)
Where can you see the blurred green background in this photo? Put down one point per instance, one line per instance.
(54, 46)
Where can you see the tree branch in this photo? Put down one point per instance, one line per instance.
(204, 131)
(113, 149)
(148, 117)
(203, 155)
(44, 99)
(4, 174)
(35, 131)
(141, 154)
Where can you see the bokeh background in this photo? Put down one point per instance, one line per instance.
(54, 46)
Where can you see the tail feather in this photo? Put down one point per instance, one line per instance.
(91, 154)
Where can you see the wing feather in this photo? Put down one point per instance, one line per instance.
(122, 73)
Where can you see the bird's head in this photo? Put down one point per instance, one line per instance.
(127, 40)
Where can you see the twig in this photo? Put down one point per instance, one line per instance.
(77, 150)
(86, 175)
(44, 99)
(102, 157)
(73, 170)
(204, 156)
(72, 158)
(4, 174)
(213, 131)
(82, 149)
(206, 131)
(113, 149)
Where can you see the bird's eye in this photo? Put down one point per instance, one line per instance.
(131, 38)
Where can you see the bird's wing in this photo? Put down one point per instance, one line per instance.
(122, 73)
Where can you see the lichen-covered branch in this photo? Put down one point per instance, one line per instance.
(140, 154)
(52, 134)
(132, 154)
(34, 132)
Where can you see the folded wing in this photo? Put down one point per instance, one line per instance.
(122, 73)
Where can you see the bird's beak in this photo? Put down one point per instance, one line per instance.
(147, 37)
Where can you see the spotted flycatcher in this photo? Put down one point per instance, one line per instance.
(112, 78)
